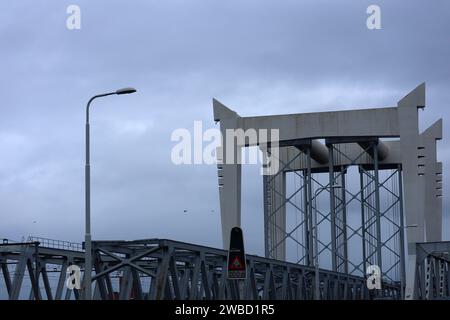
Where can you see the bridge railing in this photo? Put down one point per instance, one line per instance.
(56, 244)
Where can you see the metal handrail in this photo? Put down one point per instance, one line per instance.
(56, 244)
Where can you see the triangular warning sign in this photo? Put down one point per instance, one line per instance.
(236, 256)
(236, 264)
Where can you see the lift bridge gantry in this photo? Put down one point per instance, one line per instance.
(369, 176)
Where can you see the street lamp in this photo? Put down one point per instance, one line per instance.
(88, 244)
(316, 241)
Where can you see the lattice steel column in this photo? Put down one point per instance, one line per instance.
(276, 215)
(342, 244)
(402, 234)
(307, 218)
(309, 213)
(332, 209)
(377, 204)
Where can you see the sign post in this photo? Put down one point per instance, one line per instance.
(237, 268)
(236, 256)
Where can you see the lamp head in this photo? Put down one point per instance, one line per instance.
(125, 91)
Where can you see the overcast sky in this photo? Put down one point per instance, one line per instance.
(258, 57)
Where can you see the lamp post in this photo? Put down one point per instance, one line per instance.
(88, 244)
(316, 241)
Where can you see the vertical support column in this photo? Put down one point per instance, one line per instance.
(229, 172)
(363, 219)
(275, 212)
(344, 219)
(408, 121)
(307, 228)
(309, 188)
(377, 205)
(438, 196)
(277, 216)
(267, 205)
(280, 217)
(431, 188)
(402, 233)
(37, 270)
(230, 200)
(332, 209)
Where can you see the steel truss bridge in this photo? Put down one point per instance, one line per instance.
(165, 269)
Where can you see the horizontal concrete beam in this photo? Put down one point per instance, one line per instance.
(381, 122)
